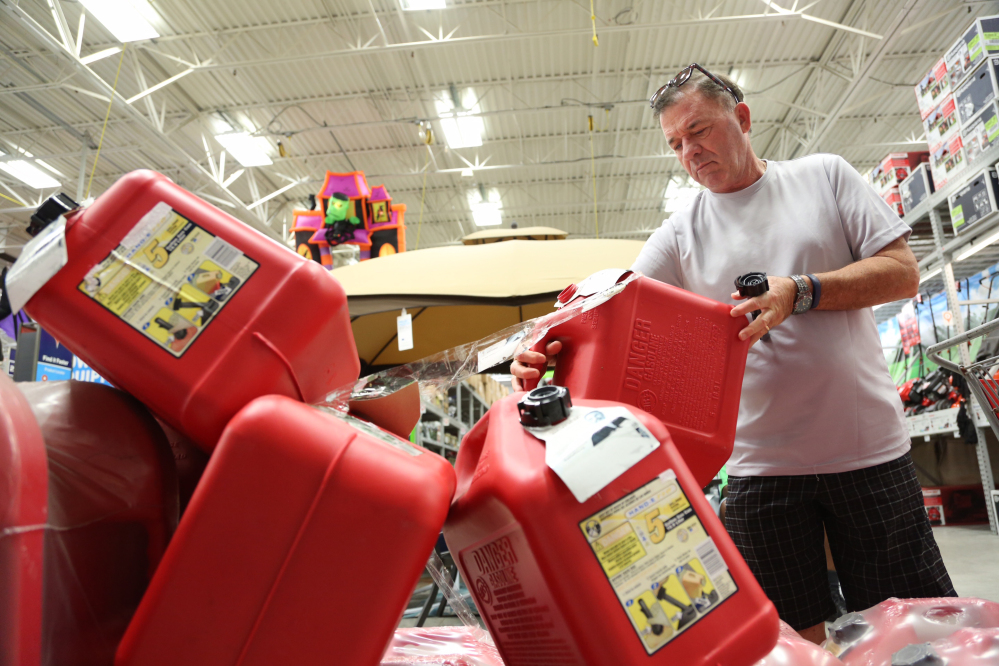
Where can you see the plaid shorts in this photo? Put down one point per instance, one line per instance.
(880, 538)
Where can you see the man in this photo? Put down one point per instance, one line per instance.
(821, 440)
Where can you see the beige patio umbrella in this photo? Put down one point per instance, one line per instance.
(458, 294)
(527, 233)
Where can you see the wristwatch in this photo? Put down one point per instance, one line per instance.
(803, 300)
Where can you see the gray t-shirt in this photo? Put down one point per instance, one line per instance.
(818, 398)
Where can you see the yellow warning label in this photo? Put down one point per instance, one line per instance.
(168, 278)
(662, 564)
(618, 550)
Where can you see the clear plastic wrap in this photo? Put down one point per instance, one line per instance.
(871, 638)
(440, 646)
(439, 372)
(793, 650)
(112, 508)
(439, 572)
(965, 647)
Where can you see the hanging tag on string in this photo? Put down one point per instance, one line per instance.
(404, 330)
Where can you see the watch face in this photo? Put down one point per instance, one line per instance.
(803, 301)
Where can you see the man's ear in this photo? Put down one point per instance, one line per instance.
(745, 119)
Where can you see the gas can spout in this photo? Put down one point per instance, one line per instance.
(49, 212)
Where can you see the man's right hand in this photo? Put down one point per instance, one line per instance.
(521, 366)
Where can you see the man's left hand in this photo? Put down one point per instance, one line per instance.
(775, 306)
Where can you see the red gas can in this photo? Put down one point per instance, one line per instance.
(23, 512)
(642, 572)
(301, 545)
(112, 508)
(670, 352)
(192, 311)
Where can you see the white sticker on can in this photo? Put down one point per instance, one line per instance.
(42, 257)
(594, 446)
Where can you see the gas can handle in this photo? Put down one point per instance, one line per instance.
(542, 368)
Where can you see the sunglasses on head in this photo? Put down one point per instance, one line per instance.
(684, 76)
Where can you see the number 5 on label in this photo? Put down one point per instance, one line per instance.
(654, 523)
(156, 254)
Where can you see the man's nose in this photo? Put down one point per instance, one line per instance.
(691, 149)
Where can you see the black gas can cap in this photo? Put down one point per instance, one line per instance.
(545, 406)
(849, 628)
(916, 654)
(49, 212)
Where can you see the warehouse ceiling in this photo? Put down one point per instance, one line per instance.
(508, 89)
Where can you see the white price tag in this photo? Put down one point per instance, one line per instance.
(40, 260)
(593, 447)
(404, 330)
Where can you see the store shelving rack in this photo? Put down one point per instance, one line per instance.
(933, 209)
(469, 408)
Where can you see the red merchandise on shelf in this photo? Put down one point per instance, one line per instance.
(673, 353)
(301, 545)
(871, 638)
(959, 505)
(192, 311)
(640, 572)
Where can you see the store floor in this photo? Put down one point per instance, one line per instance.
(971, 554)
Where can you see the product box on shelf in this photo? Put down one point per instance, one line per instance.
(961, 504)
(978, 90)
(895, 168)
(942, 122)
(894, 199)
(975, 201)
(988, 31)
(933, 504)
(981, 132)
(916, 187)
(962, 58)
(947, 160)
(932, 88)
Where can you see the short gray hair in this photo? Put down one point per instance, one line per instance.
(702, 84)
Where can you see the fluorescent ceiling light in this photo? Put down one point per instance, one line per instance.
(413, 5)
(486, 207)
(460, 129)
(466, 173)
(250, 151)
(679, 193)
(29, 174)
(100, 55)
(932, 274)
(978, 247)
(122, 19)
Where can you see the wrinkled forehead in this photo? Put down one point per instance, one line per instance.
(687, 114)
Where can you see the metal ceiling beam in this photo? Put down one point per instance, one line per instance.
(27, 22)
(870, 63)
(497, 38)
